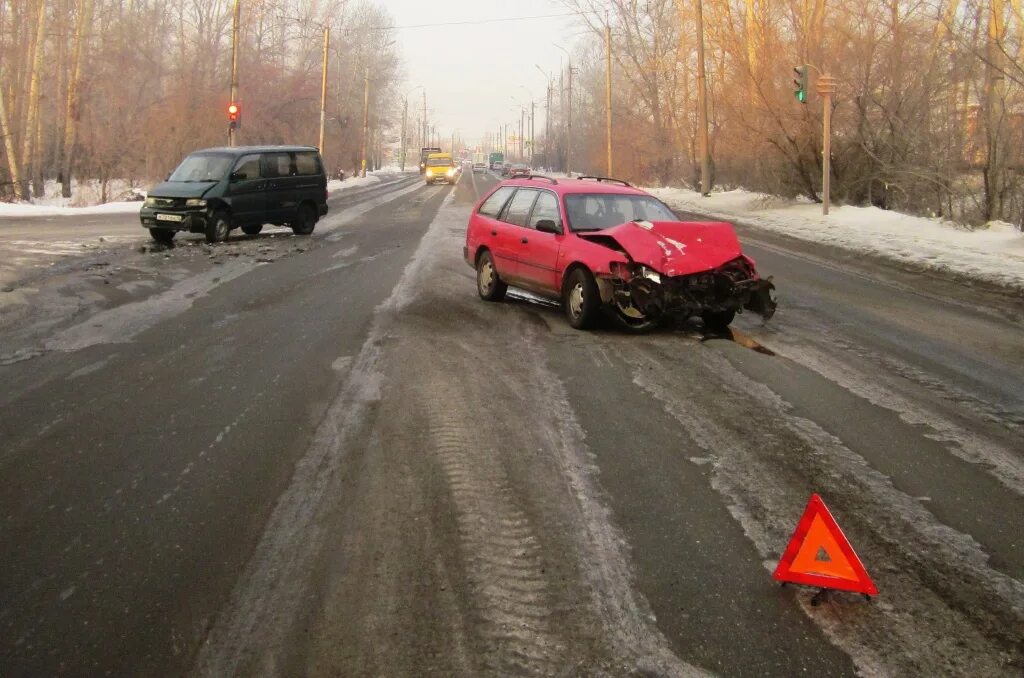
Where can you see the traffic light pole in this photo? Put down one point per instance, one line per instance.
(232, 126)
(826, 88)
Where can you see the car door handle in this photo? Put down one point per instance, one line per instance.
(524, 241)
(494, 233)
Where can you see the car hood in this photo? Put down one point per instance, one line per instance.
(181, 189)
(672, 247)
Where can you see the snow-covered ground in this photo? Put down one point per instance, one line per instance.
(994, 254)
(52, 204)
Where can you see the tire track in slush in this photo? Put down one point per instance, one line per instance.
(501, 553)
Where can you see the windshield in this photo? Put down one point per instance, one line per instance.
(202, 167)
(594, 211)
(439, 162)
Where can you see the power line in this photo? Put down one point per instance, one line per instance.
(469, 22)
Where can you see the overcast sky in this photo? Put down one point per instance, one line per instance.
(472, 71)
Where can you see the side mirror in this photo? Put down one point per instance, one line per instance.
(236, 177)
(548, 226)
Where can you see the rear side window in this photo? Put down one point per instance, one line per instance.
(248, 167)
(492, 206)
(518, 210)
(277, 165)
(307, 163)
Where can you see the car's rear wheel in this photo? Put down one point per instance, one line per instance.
(305, 220)
(488, 284)
(718, 321)
(580, 299)
(252, 229)
(217, 227)
(164, 236)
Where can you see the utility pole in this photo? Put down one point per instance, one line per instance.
(568, 141)
(425, 142)
(533, 140)
(323, 88)
(608, 89)
(236, 14)
(522, 151)
(702, 103)
(405, 114)
(366, 119)
(826, 88)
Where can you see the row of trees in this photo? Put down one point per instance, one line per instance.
(929, 116)
(105, 89)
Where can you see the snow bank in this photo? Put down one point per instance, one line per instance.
(26, 209)
(994, 254)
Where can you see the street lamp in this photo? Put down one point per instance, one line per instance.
(568, 140)
(547, 118)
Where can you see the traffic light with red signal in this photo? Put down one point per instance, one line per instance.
(234, 115)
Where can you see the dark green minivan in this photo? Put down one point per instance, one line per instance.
(218, 189)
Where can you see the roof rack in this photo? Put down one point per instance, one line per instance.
(538, 176)
(617, 181)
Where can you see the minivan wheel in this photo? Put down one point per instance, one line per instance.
(580, 299)
(252, 229)
(217, 227)
(305, 220)
(164, 236)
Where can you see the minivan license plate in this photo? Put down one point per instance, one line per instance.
(168, 217)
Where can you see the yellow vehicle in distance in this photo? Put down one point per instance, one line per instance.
(440, 167)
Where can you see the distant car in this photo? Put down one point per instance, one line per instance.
(518, 171)
(600, 245)
(216, 190)
(440, 167)
(506, 169)
(479, 166)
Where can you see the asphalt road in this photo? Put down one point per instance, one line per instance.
(326, 456)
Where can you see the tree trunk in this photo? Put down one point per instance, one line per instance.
(73, 114)
(995, 89)
(28, 150)
(12, 156)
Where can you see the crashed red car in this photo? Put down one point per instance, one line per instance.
(601, 246)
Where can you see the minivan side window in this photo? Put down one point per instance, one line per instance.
(248, 167)
(307, 163)
(492, 206)
(518, 210)
(277, 165)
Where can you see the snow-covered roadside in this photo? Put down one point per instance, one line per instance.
(53, 207)
(994, 255)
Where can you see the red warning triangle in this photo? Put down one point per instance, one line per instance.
(819, 554)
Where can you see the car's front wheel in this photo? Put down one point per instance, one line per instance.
(580, 299)
(717, 321)
(217, 227)
(305, 220)
(488, 284)
(164, 236)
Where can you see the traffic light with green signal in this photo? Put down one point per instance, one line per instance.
(800, 83)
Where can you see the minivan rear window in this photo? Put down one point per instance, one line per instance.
(307, 163)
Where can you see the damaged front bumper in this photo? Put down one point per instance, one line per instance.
(734, 286)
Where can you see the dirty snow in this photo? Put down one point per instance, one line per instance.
(994, 254)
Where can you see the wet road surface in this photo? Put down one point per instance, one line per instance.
(327, 456)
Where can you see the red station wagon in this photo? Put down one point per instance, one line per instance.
(600, 245)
